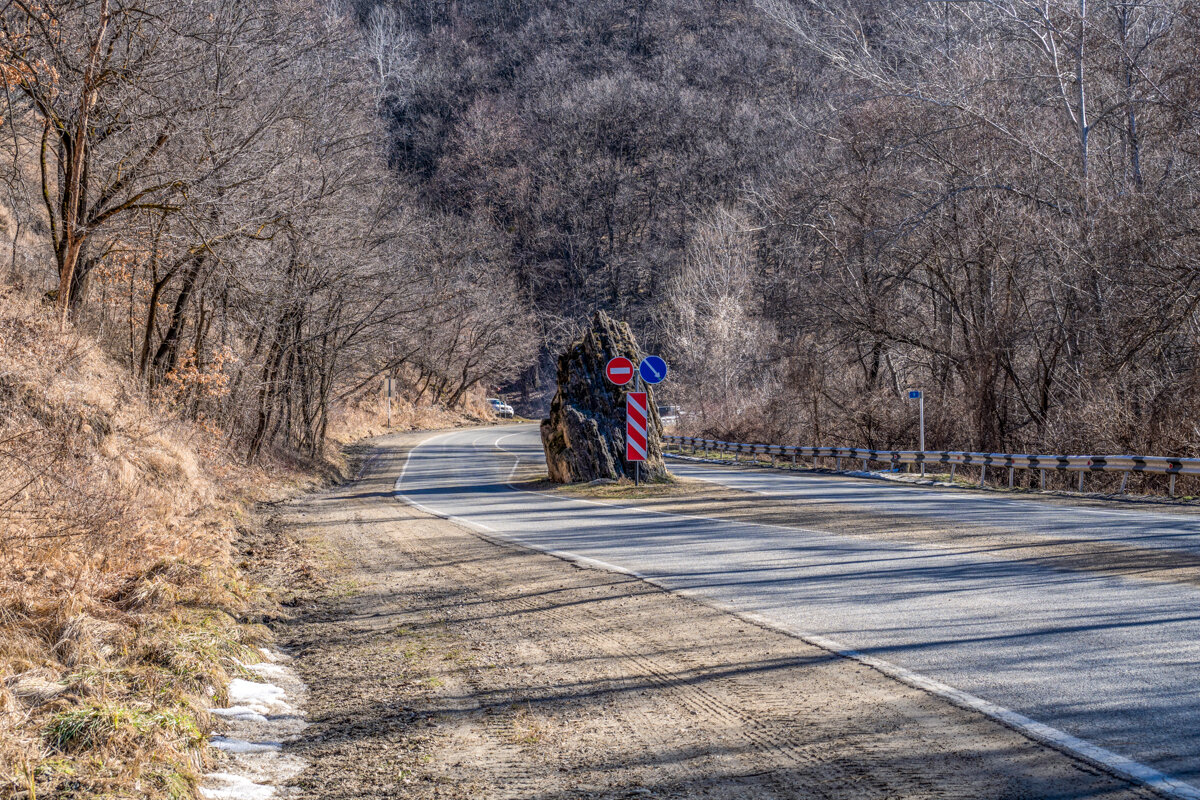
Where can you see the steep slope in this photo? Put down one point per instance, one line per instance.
(119, 622)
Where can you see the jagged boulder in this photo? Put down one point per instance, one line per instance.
(584, 437)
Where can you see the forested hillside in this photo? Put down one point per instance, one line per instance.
(204, 186)
(807, 207)
(207, 267)
(811, 207)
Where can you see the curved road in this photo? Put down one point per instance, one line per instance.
(1110, 660)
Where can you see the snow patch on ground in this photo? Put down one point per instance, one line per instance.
(227, 786)
(243, 713)
(230, 745)
(261, 718)
(263, 698)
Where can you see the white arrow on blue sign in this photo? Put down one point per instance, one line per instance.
(914, 395)
(653, 369)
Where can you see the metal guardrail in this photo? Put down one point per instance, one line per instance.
(1082, 464)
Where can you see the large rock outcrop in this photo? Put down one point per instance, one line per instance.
(584, 437)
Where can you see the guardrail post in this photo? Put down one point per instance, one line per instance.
(1082, 464)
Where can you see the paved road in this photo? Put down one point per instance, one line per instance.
(1163, 530)
(1111, 660)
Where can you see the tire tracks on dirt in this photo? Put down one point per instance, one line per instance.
(443, 664)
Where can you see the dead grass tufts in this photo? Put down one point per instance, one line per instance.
(84, 639)
(119, 601)
(366, 416)
(35, 687)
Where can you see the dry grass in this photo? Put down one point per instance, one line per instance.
(623, 489)
(119, 603)
(366, 416)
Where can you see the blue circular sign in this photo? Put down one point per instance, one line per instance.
(653, 369)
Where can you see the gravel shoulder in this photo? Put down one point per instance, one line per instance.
(444, 665)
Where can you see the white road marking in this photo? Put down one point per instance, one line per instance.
(1060, 740)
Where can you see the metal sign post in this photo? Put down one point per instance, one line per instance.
(389, 401)
(620, 371)
(919, 396)
(637, 419)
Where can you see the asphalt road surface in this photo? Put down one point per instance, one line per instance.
(1110, 660)
(1159, 531)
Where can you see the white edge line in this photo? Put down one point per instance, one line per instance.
(1037, 731)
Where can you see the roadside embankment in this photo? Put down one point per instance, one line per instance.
(125, 615)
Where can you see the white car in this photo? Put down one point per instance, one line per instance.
(500, 408)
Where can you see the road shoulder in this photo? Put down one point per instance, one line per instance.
(441, 664)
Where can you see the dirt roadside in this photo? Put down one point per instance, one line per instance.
(442, 665)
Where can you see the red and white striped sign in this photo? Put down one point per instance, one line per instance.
(636, 420)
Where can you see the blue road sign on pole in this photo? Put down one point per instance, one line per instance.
(915, 394)
(653, 369)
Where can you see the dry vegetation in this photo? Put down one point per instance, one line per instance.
(123, 612)
(810, 206)
(205, 188)
(207, 270)
(120, 603)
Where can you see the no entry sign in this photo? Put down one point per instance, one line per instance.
(636, 416)
(619, 370)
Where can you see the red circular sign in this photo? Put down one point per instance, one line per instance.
(619, 370)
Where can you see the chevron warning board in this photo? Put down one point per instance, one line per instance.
(637, 417)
